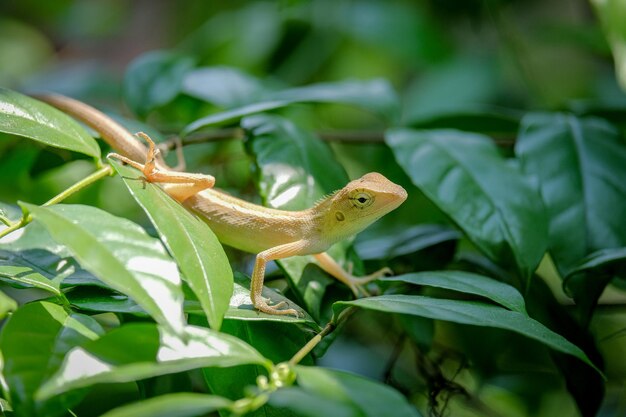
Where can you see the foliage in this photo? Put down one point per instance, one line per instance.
(509, 248)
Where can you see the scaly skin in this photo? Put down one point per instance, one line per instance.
(271, 234)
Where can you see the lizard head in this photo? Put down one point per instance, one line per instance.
(360, 203)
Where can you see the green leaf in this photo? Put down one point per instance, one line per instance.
(375, 95)
(239, 308)
(33, 343)
(612, 14)
(579, 164)
(24, 116)
(309, 404)
(487, 198)
(601, 259)
(138, 351)
(352, 395)
(468, 283)
(467, 312)
(182, 404)
(295, 168)
(191, 242)
(295, 171)
(154, 79)
(405, 242)
(27, 267)
(7, 304)
(121, 254)
(223, 86)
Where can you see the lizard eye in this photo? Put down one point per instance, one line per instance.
(362, 199)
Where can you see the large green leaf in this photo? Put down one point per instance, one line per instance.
(223, 86)
(468, 283)
(467, 312)
(182, 404)
(612, 14)
(121, 254)
(375, 95)
(138, 351)
(295, 171)
(154, 79)
(344, 393)
(487, 198)
(404, 242)
(580, 164)
(24, 116)
(191, 242)
(33, 343)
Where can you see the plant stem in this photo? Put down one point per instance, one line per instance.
(328, 329)
(99, 174)
(27, 218)
(344, 136)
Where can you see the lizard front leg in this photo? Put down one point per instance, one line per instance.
(258, 275)
(179, 185)
(328, 264)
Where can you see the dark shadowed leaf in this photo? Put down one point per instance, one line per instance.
(577, 162)
(24, 116)
(468, 283)
(488, 199)
(467, 312)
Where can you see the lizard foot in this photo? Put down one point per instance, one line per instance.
(275, 309)
(357, 284)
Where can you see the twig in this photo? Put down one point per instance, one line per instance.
(344, 136)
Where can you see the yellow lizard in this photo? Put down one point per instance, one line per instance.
(269, 233)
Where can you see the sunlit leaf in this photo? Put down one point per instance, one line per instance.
(468, 283)
(121, 254)
(138, 351)
(487, 198)
(24, 116)
(467, 312)
(191, 242)
(33, 343)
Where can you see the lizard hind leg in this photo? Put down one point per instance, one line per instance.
(356, 284)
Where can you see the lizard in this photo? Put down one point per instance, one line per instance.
(269, 233)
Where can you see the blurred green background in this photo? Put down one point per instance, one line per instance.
(445, 58)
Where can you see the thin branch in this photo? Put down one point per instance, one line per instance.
(344, 136)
